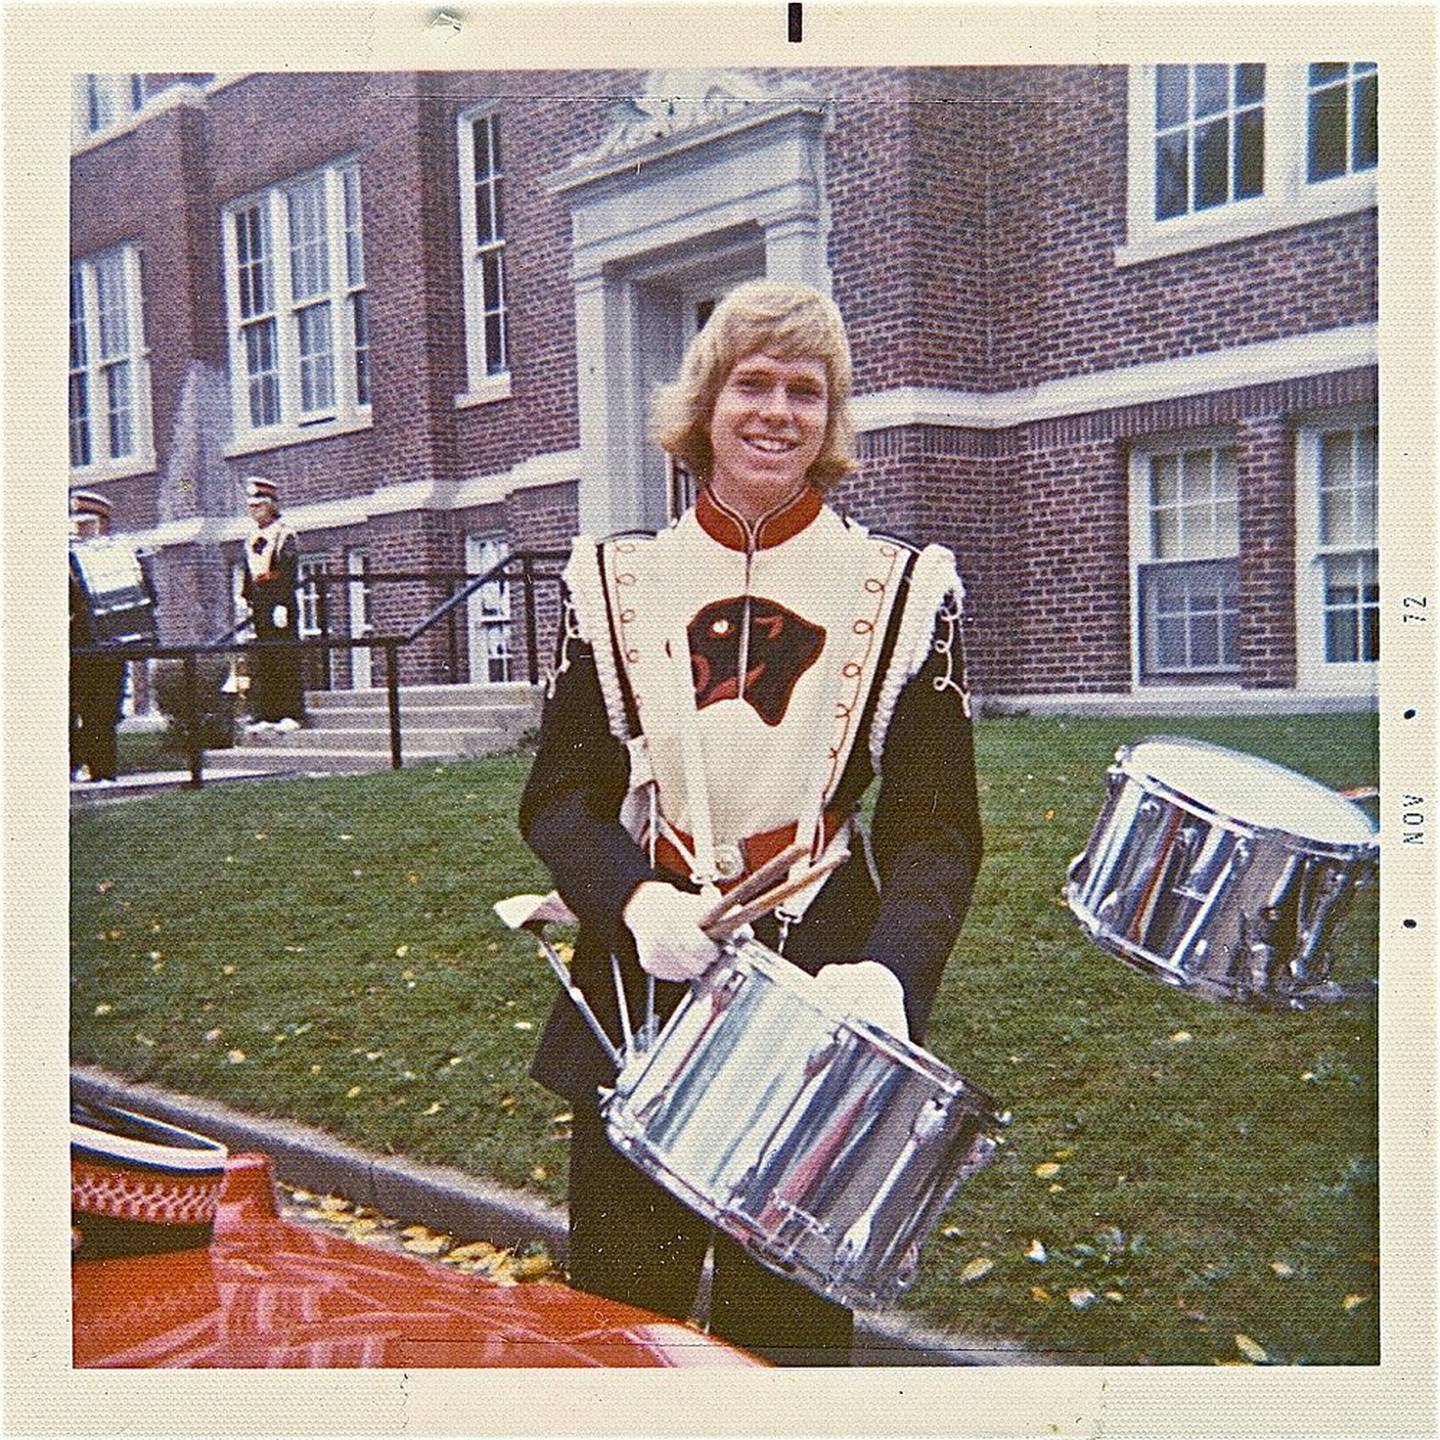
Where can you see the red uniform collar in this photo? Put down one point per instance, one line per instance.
(787, 520)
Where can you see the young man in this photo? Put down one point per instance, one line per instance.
(97, 682)
(272, 559)
(722, 688)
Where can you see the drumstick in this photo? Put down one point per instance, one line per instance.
(753, 884)
(728, 924)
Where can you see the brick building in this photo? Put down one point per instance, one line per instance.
(1114, 334)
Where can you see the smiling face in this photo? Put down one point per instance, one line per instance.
(766, 431)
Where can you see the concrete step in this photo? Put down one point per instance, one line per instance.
(470, 739)
(511, 718)
(415, 697)
(285, 760)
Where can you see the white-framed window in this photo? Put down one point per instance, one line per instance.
(314, 664)
(1185, 547)
(110, 426)
(489, 610)
(1221, 151)
(482, 254)
(295, 294)
(1337, 551)
(100, 102)
(1342, 133)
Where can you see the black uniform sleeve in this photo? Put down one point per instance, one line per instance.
(286, 565)
(570, 807)
(926, 830)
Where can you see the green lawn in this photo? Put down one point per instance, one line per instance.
(325, 950)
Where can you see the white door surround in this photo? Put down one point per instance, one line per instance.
(703, 181)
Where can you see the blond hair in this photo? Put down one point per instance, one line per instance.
(790, 322)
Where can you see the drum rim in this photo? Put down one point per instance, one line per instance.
(1312, 844)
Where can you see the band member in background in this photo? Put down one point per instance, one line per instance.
(272, 562)
(737, 680)
(97, 682)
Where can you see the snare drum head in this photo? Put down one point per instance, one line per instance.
(1250, 790)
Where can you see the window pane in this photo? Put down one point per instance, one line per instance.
(309, 249)
(1172, 174)
(118, 400)
(1164, 479)
(1212, 163)
(1170, 644)
(1227, 528)
(1327, 132)
(252, 252)
(484, 214)
(317, 374)
(481, 134)
(1249, 154)
(1205, 639)
(1341, 635)
(354, 249)
(494, 345)
(79, 348)
(1326, 74)
(260, 365)
(1196, 477)
(1366, 144)
(1249, 84)
(1212, 89)
(79, 419)
(360, 331)
(110, 302)
(1227, 473)
(1172, 89)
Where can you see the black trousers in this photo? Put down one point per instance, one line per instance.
(631, 1240)
(97, 687)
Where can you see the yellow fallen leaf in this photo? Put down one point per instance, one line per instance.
(1351, 1301)
(401, 951)
(373, 1054)
(457, 1060)
(977, 1269)
(301, 1196)
(1114, 1296)
(1252, 1351)
(333, 1203)
(1307, 1075)
(533, 1266)
(412, 878)
(429, 1245)
(352, 1092)
(158, 966)
(539, 1173)
(144, 1040)
(1049, 814)
(1055, 1189)
(105, 887)
(1181, 1037)
(154, 955)
(563, 1118)
(213, 1035)
(1283, 1270)
(103, 1008)
(227, 969)
(951, 1232)
(524, 1025)
(407, 974)
(235, 1057)
(1047, 1169)
(315, 1069)
(475, 1250)
(435, 1108)
(1064, 1154)
(1040, 1294)
(359, 1224)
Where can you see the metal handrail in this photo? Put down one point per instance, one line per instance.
(526, 560)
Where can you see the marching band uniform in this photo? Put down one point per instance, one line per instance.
(272, 562)
(721, 687)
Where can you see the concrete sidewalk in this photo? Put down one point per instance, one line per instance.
(456, 1203)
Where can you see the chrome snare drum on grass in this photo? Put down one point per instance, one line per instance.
(1222, 873)
(824, 1145)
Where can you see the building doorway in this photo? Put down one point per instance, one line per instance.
(362, 670)
(489, 612)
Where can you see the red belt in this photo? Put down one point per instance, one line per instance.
(755, 850)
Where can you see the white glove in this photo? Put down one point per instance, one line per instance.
(669, 941)
(280, 617)
(868, 990)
